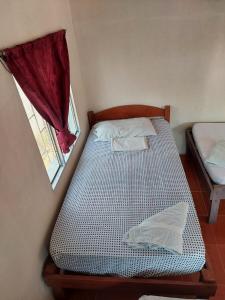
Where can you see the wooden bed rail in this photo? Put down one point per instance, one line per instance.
(128, 111)
(203, 285)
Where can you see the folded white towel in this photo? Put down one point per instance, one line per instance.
(162, 230)
(129, 143)
(160, 298)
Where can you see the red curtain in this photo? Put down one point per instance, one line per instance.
(41, 68)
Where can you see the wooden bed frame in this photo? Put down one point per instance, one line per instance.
(128, 111)
(216, 191)
(200, 284)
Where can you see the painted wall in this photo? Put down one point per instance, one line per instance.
(28, 205)
(151, 52)
(154, 52)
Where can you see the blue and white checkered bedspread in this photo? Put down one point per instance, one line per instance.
(112, 191)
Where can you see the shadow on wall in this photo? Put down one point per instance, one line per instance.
(179, 135)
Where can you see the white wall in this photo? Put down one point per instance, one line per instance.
(154, 52)
(149, 51)
(28, 205)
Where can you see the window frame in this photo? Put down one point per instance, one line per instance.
(64, 157)
(61, 157)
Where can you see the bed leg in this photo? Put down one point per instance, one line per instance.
(59, 293)
(215, 204)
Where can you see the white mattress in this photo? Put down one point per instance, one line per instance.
(206, 135)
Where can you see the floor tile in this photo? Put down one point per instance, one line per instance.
(216, 263)
(193, 181)
(221, 249)
(191, 175)
(222, 207)
(200, 205)
(206, 199)
(207, 230)
(219, 229)
(220, 293)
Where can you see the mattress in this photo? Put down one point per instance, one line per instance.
(112, 191)
(206, 135)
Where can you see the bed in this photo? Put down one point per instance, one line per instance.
(111, 192)
(200, 140)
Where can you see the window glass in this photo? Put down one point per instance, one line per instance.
(53, 158)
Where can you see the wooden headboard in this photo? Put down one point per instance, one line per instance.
(128, 111)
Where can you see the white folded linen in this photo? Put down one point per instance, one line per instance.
(160, 298)
(129, 143)
(162, 230)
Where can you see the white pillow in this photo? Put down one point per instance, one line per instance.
(107, 130)
(217, 154)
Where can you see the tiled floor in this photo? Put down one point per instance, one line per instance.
(213, 234)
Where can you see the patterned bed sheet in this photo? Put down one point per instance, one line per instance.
(112, 191)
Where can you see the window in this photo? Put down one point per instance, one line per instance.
(53, 158)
